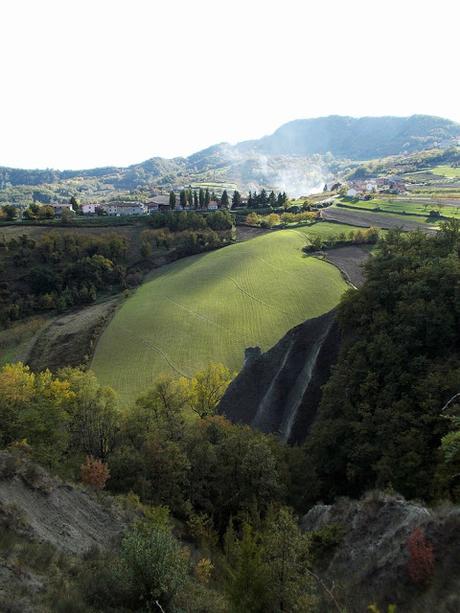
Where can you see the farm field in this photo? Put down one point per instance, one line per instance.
(447, 171)
(324, 229)
(415, 206)
(210, 307)
(366, 218)
(213, 185)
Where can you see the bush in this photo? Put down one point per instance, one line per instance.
(420, 566)
(94, 473)
(323, 543)
(155, 562)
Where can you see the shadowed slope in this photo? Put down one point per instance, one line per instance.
(279, 391)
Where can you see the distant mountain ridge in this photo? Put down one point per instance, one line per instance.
(356, 138)
(297, 157)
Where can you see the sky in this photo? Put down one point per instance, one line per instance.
(86, 83)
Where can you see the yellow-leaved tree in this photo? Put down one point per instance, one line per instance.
(202, 393)
(34, 406)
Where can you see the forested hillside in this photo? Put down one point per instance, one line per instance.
(357, 138)
(381, 420)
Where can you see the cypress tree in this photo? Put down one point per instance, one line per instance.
(224, 200)
(236, 199)
(207, 198)
(172, 199)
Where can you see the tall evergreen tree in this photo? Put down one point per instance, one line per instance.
(236, 199)
(224, 201)
(73, 201)
(272, 199)
(183, 198)
(207, 198)
(250, 201)
(201, 198)
(195, 199)
(263, 198)
(172, 200)
(189, 198)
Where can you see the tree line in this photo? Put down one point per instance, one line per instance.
(198, 199)
(263, 199)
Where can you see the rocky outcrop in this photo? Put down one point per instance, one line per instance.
(369, 563)
(46, 509)
(280, 390)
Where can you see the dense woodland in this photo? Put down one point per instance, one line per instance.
(63, 269)
(233, 493)
(381, 421)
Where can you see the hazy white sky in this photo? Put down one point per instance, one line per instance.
(88, 83)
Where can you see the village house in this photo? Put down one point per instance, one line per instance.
(120, 209)
(213, 206)
(60, 207)
(89, 208)
(158, 203)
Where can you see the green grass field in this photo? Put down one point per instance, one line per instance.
(447, 171)
(325, 229)
(210, 307)
(416, 210)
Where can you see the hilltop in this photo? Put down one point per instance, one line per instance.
(357, 138)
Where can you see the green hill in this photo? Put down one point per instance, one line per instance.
(211, 307)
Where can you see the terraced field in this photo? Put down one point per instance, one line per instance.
(211, 307)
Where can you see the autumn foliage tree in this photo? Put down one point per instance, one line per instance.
(94, 472)
(420, 566)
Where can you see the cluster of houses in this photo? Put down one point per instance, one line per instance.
(119, 209)
(363, 189)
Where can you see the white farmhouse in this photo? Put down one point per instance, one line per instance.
(89, 208)
(120, 209)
